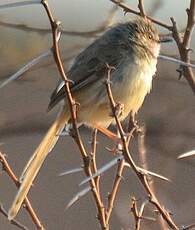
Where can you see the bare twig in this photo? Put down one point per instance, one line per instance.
(6, 167)
(93, 160)
(73, 107)
(112, 195)
(127, 156)
(183, 44)
(138, 215)
(141, 8)
(127, 9)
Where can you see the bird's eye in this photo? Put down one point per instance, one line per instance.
(150, 36)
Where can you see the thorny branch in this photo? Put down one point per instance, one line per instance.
(27, 204)
(138, 215)
(73, 107)
(128, 158)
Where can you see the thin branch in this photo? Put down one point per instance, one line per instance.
(6, 167)
(127, 9)
(93, 160)
(143, 160)
(128, 158)
(138, 215)
(190, 24)
(112, 195)
(184, 51)
(73, 110)
(141, 8)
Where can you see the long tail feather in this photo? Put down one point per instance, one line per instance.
(34, 164)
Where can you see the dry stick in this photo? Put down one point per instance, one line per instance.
(27, 203)
(72, 107)
(141, 8)
(134, 210)
(143, 160)
(14, 222)
(112, 195)
(138, 215)
(127, 156)
(93, 160)
(184, 45)
(127, 9)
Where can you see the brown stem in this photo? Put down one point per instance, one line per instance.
(28, 206)
(127, 9)
(141, 8)
(128, 158)
(73, 109)
(138, 215)
(112, 195)
(93, 160)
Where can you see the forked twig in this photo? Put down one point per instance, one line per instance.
(138, 215)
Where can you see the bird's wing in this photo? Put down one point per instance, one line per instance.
(90, 65)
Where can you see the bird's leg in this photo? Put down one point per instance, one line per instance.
(115, 137)
(107, 132)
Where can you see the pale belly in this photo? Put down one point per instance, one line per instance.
(130, 92)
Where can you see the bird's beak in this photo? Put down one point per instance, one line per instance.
(164, 39)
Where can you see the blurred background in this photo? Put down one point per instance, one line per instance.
(168, 114)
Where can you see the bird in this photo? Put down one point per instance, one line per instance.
(132, 49)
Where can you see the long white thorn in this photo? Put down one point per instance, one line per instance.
(104, 168)
(18, 4)
(78, 196)
(171, 59)
(25, 68)
(71, 171)
(187, 154)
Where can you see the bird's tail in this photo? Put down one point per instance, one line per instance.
(34, 164)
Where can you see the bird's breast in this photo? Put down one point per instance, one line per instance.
(135, 83)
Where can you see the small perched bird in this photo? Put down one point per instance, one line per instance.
(132, 48)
